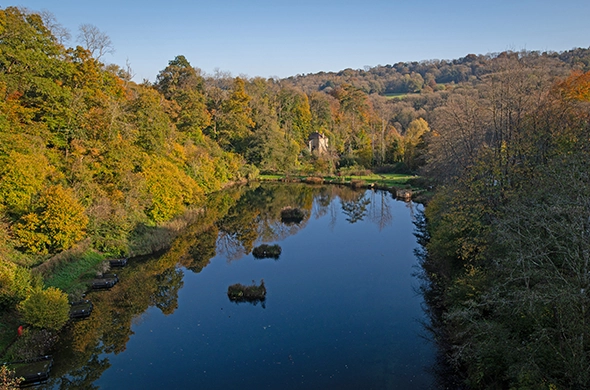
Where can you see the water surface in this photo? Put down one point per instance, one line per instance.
(341, 310)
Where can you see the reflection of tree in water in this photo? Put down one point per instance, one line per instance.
(81, 378)
(273, 230)
(322, 203)
(230, 246)
(257, 217)
(202, 250)
(380, 212)
(412, 207)
(238, 229)
(165, 297)
(355, 210)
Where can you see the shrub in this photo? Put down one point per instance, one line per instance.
(46, 309)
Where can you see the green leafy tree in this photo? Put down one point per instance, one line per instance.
(152, 123)
(294, 114)
(270, 146)
(413, 143)
(236, 123)
(15, 283)
(180, 83)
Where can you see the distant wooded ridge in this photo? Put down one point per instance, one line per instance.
(416, 76)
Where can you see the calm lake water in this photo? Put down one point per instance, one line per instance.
(341, 310)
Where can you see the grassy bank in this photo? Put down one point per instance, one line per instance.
(73, 277)
(385, 179)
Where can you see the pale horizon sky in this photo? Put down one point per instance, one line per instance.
(281, 39)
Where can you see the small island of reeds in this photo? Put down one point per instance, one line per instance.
(253, 293)
(267, 251)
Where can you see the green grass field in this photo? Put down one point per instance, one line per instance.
(385, 179)
(396, 95)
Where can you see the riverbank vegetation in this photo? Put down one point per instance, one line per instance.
(507, 232)
(94, 165)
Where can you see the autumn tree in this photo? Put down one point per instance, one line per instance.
(57, 223)
(413, 143)
(236, 122)
(22, 177)
(170, 189)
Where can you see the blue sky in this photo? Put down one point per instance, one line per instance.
(283, 38)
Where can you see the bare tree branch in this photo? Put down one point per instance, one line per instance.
(95, 41)
(61, 33)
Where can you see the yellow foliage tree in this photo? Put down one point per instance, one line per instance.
(411, 142)
(58, 223)
(21, 178)
(170, 189)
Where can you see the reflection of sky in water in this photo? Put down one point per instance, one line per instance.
(341, 313)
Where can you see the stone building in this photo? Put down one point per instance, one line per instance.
(317, 143)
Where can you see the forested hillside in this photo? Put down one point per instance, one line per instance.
(90, 159)
(507, 233)
(428, 75)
